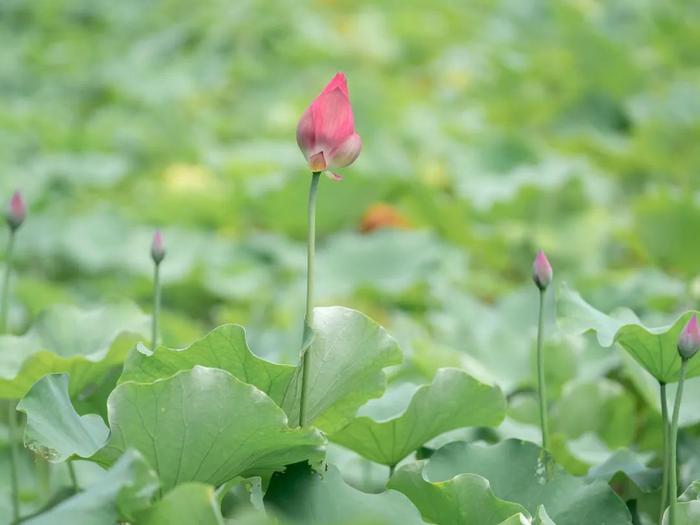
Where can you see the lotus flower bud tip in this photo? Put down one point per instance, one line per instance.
(16, 212)
(542, 271)
(158, 247)
(326, 131)
(689, 338)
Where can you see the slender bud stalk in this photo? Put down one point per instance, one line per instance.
(11, 405)
(673, 473)
(666, 451)
(688, 346)
(5, 293)
(156, 306)
(157, 254)
(308, 318)
(542, 275)
(73, 476)
(542, 386)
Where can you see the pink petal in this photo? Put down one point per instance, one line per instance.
(336, 177)
(306, 136)
(333, 119)
(338, 81)
(17, 206)
(346, 152)
(542, 271)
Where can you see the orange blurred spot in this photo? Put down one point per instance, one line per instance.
(382, 215)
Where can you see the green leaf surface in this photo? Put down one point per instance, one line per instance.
(186, 504)
(465, 499)
(648, 387)
(82, 343)
(306, 497)
(516, 473)
(517, 519)
(655, 349)
(124, 490)
(687, 513)
(627, 463)
(453, 400)
(347, 355)
(346, 358)
(54, 429)
(688, 507)
(203, 425)
(224, 347)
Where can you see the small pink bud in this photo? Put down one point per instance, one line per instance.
(542, 271)
(16, 212)
(158, 247)
(326, 132)
(689, 339)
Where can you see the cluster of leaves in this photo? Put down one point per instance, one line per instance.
(191, 432)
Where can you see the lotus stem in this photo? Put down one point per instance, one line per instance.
(14, 458)
(11, 405)
(308, 317)
(73, 476)
(666, 440)
(156, 306)
(673, 468)
(541, 385)
(5, 300)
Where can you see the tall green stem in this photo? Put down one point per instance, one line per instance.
(308, 317)
(673, 467)
(73, 476)
(156, 306)
(5, 300)
(14, 457)
(11, 405)
(542, 388)
(664, 417)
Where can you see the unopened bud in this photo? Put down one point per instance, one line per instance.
(17, 211)
(157, 247)
(689, 338)
(542, 271)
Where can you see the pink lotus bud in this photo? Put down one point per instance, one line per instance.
(542, 271)
(17, 211)
(157, 247)
(689, 338)
(326, 132)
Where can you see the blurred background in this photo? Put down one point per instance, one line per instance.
(490, 129)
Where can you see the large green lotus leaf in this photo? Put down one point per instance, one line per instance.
(224, 347)
(81, 343)
(627, 463)
(688, 507)
(346, 360)
(465, 499)
(186, 504)
(687, 513)
(54, 429)
(516, 473)
(653, 348)
(517, 519)
(453, 400)
(123, 491)
(302, 496)
(203, 425)
(648, 387)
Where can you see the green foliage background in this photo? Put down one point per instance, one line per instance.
(494, 127)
